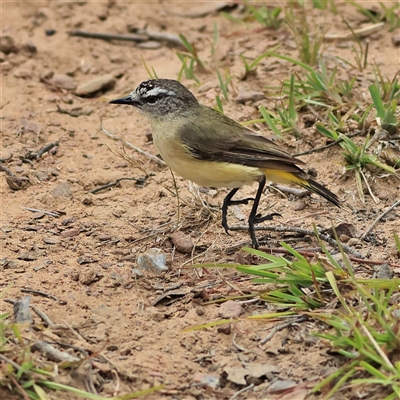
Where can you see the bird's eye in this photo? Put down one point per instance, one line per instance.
(151, 99)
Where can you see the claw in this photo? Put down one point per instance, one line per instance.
(258, 219)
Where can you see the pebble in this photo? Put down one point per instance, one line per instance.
(154, 261)
(68, 233)
(30, 46)
(86, 259)
(28, 256)
(8, 45)
(63, 81)
(396, 40)
(251, 95)
(94, 85)
(299, 205)
(281, 385)
(384, 272)
(62, 190)
(88, 276)
(5, 66)
(182, 242)
(211, 381)
(23, 73)
(51, 240)
(225, 328)
(355, 242)
(344, 238)
(230, 309)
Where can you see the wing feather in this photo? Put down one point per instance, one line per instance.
(233, 143)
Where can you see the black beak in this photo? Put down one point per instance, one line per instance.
(125, 100)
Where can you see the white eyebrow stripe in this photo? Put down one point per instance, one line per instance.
(156, 91)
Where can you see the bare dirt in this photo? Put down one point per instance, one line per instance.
(85, 257)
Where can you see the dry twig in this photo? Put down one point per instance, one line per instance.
(361, 32)
(280, 327)
(387, 211)
(39, 293)
(35, 210)
(130, 145)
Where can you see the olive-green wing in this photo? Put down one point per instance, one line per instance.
(216, 137)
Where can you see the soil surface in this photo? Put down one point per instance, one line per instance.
(77, 250)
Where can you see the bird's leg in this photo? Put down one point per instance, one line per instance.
(255, 218)
(229, 202)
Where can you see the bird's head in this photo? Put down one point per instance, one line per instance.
(160, 97)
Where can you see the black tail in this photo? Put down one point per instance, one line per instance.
(322, 191)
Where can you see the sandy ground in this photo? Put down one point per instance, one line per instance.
(84, 256)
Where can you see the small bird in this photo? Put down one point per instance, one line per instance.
(208, 148)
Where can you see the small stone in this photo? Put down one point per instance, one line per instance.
(38, 215)
(41, 265)
(384, 272)
(68, 233)
(86, 259)
(68, 221)
(23, 73)
(87, 201)
(299, 205)
(225, 328)
(199, 311)
(88, 276)
(281, 385)
(396, 40)
(30, 46)
(156, 315)
(6, 66)
(105, 238)
(182, 242)
(382, 194)
(209, 380)
(28, 256)
(62, 190)
(41, 175)
(154, 261)
(355, 242)
(51, 240)
(230, 309)
(8, 45)
(245, 96)
(344, 238)
(75, 276)
(63, 81)
(95, 85)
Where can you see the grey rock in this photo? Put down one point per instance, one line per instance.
(63, 81)
(62, 190)
(94, 85)
(396, 40)
(251, 95)
(28, 256)
(384, 272)
(230, 309)
(153, 260)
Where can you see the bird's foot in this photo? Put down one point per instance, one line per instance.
(225, 206)
(256, 220)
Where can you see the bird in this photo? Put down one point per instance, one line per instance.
(212, 150)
